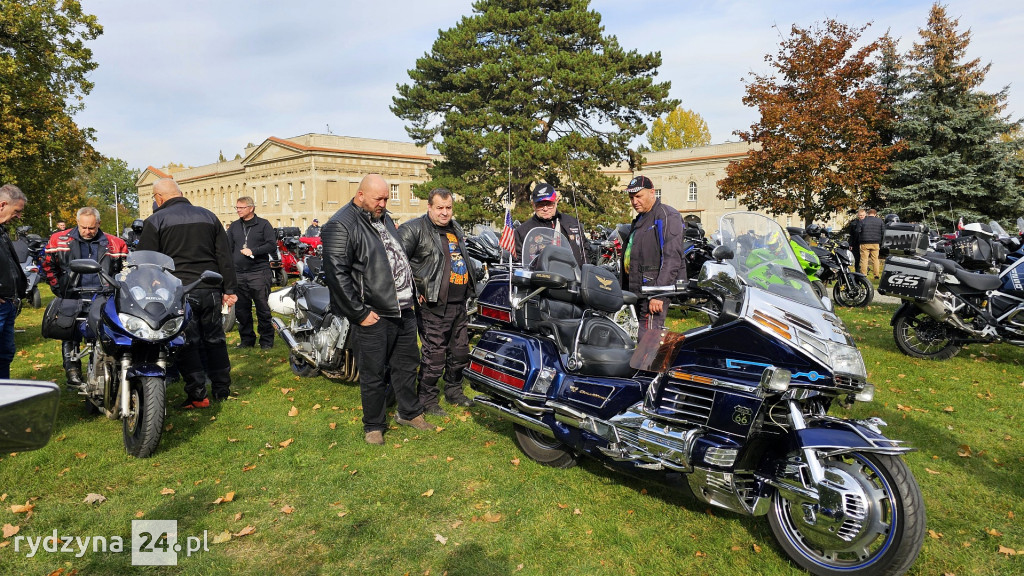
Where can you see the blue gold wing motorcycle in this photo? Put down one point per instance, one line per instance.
(737, 410)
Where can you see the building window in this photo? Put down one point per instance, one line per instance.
(302, 190)
(265, 197)
(413, 200)
(657, 193)
(394, 193)
(692, 197)
(291, 193)
(277, 194)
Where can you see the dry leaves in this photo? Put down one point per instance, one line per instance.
(22, 509)
(225, 498)
(245, 531)
(491, 517)
(935, 535)
(167, 491)
(92, 498)
(964, 451)
(293, 412)
(287, 509)
(286, 443)
(222, 537)
(10, 530)
(441, 539)
(428, 493)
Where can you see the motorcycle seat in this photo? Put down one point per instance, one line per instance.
(604, 348)
(948, 266)
(976, 281)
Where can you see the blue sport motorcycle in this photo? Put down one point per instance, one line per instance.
(129, 332)
(737, 410)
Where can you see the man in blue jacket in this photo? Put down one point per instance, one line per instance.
(654, 252)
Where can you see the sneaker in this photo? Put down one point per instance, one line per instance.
(435, 410)
(463, 401)
(418, 423)
(374, 437)
(194, 404)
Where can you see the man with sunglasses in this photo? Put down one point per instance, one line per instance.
(251, 240)
(546, 215)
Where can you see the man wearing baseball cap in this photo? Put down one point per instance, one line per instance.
(314, 229)
(546, 215)
(654, 252)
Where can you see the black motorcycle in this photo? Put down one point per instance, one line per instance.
(849, 289)
(30, 249)
(319, 341)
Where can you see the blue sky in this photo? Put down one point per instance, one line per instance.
(183, 81)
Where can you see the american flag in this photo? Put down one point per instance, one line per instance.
(508, 239)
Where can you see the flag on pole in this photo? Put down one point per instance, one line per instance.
(959, 226)
(508, 239)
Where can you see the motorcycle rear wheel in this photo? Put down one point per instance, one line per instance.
(147, 399)
(543, 449)
(229, 320)
(856, 291)
(280, 277)
(881, 529)
(921, 336)
(34, 298)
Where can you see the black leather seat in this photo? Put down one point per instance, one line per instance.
(980, 282)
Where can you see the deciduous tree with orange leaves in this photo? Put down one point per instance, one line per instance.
(817, 148)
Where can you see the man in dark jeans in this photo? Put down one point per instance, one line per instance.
(12, 277)
(252, 240)
(194, 238)
(371, 284)
(436, 246)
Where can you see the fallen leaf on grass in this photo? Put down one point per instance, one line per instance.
(699, 554)
(80, 455)
(949, 409)
(287, 509)
(317, 406)
(440, 539)
(232, 439)
(1007, 551)
(456, 524)
(247, 468)
(139, 514)
(491, 517)
(515, 461)
(563, 506)
(428, 493)
(245, 531)
(92, 498)
(964, 451)
(930, 471)
(225, 498)
(294, 411)
(993, 532)
(757, 549)
(577, 511)
(333, 425)
(934, 534)
(286, 443)
(222, 537)
(21, 509)
(167, 491)
(10, 530)
(285, 391)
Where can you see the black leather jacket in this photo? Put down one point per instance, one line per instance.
(356, 265)
(429, 256)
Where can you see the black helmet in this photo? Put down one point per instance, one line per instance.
(813, 230)
(891, 218)
(137, 226)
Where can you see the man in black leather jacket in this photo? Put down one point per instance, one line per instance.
(194, 238)
(436, 246)
(12, 277)
(547, 215)
(371, 284)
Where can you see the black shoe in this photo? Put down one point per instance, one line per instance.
(244, 345)
(74, 376)
(435, 410)
(266, 346)
(463, 401)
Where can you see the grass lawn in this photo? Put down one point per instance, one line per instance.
(280, 482)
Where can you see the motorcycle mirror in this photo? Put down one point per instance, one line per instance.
(85, 266)
(27, 412)
(210, 278)
(722, 253)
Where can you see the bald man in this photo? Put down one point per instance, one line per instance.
(195, 239)
(371, 284)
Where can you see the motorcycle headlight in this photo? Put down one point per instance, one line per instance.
(138, 327)
(847, 360)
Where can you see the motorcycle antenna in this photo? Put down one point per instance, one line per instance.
(568, 172)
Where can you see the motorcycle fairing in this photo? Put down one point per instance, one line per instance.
(836, 436)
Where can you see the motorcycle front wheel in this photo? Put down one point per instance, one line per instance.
(280, 277)
(300, 367)
(819, 289)
(543, 449)
(229, 320)
(921, 336)
(853, 291)
(145, 420)
(879, 531)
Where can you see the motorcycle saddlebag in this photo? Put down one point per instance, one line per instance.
(909, 278)
(60, 318)
(972, 252)
(906, 238)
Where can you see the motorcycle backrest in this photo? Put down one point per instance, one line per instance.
(288, 231)
(600, 289)
(560, 260)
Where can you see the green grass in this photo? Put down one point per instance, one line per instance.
(358, 509)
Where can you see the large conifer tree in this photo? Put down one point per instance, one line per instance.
(956, 161)
(536, 87)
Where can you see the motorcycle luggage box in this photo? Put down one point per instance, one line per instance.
(906, 238)
(511, 364)
(972, 252)
(909, 278)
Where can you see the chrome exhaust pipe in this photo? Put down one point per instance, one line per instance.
(493, 407)
(292, 343)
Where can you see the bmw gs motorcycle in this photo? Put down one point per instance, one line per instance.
(738, 409)
(319, 342)
(130, 331)
(946, 306)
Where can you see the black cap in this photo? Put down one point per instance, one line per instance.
(639, 183)
(544, 192)
(315, 221)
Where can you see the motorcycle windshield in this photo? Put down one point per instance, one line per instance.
(763, 257)
(998, 230)
(150, 292)
(140, 257)
(488, 237)
(537, 240)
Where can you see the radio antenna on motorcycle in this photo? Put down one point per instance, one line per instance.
(568, 172)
